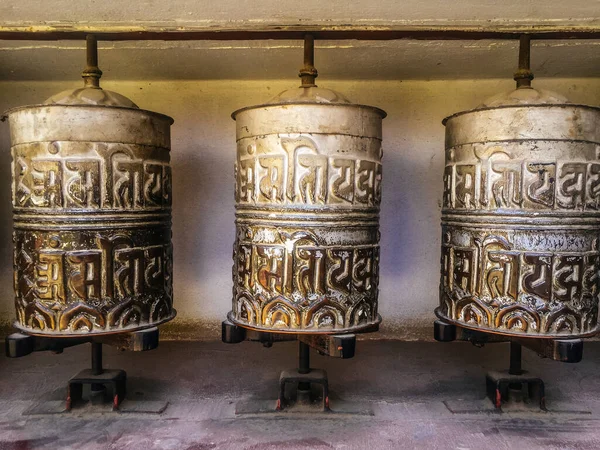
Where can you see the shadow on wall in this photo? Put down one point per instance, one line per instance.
(413, 142)
(202, 158)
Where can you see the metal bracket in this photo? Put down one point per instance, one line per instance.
(334, 345)
(562, 350)
(337, 346)
(19, 344)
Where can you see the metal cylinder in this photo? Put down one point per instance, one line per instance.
(521, 217)
(91, 193)
(308, 188)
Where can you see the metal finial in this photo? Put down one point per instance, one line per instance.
(524, 75)
(308, 73)
(91, 74)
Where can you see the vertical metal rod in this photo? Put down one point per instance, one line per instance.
(303, 357)
(524, 75)
(525, 52)
(309, 51)
(92, 73)
(515, 359)
(308, 73)
(97, 358)
(91, 50)
(303, 364)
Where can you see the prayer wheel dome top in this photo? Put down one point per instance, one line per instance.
(90, 96)
(523, 97)
(309, 95)
(312, 95)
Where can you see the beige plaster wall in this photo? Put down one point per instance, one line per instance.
(290, 12)
(202, 157)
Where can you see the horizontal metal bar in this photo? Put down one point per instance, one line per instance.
(426, 32)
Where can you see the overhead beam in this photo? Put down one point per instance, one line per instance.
(339, 32)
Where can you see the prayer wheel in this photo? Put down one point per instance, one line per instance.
(307, 192)
(521, 216)
(91, 193)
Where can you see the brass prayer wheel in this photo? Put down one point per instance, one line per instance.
(91, 193)
(521, 216)
(307, 192)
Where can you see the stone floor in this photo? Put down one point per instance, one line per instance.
(421, 395)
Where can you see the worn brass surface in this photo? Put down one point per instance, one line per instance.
(91, 194)
(308, 188)
(521, 217)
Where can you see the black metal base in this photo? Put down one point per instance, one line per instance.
(106, 386)
(514, 386)
(303, 381)
(336, 346)
(504, 389)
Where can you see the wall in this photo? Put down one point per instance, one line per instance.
(332, 12)
(202, 156)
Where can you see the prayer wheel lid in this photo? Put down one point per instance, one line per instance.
(524, 96)
(89, 95)
(313, 95)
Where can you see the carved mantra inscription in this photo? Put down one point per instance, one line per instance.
(113, 284)
(75, 270)
(497, 178)
(91, 176)
(298, 283)
(298, 173)
(506, 267)
(491, 283)
(297, 273)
